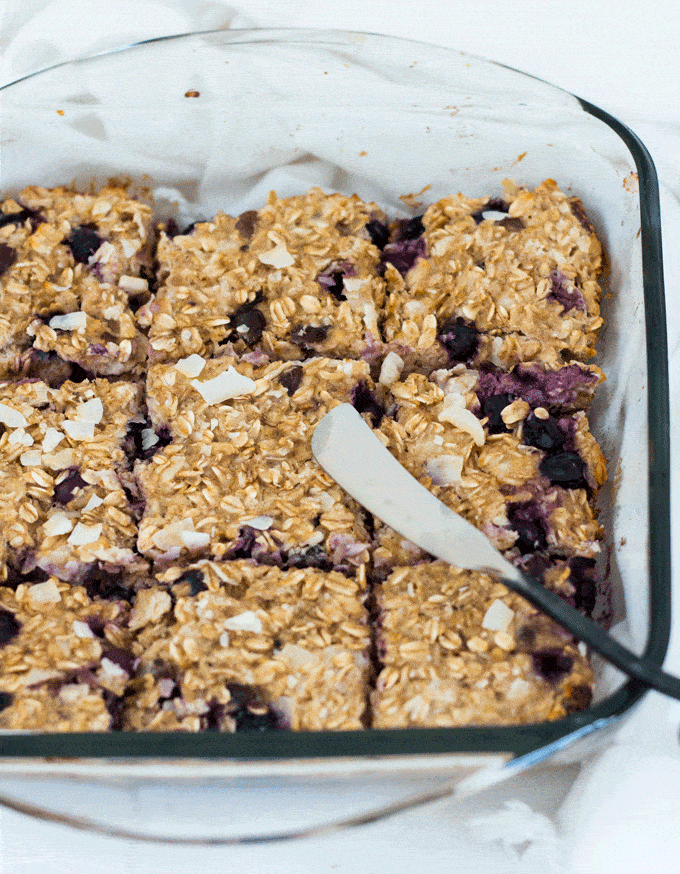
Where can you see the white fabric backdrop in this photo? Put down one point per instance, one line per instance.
(621, 812)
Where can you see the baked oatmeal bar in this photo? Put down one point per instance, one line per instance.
(238, 479)
(73, 270)
(299, 275)
(526, 476)
(503, 281)
(234, 645)
(457, 648)
(65, 659)
(62, 475)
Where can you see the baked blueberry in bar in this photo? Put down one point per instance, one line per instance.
(73, 270)
(525, 476)
(503, 281)
(62, 474)
(233, 646)
(457, 648)
(297, 277)
(65, 660)
(238, 479)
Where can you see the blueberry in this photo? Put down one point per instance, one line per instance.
(9, 626)
(5, 700)
(246, 720)
(196, 581)
(492, 408)
(403, 255)
(83, 243)
(378, 232)
(579, 699)
(96, 625)
(121, 657)
(568, 298)
(409, 229)
(291, 378)
(460, 338)
(171, 228)
(249, 713)
(544, 434)
(308, 335)
(527, 522)
(109, 585)
(551, 664)
(133, 443)
(364, 401)
(8, 256)
(65, 490)
(248, 325)
(564, 469)
(511, 223)
(581, 576)
(16, 578)
(53, 370)
(315, 557)
(17, 218)
(331, 279)
(244, 544)
(115, 704)
(579, 213)
(246, 222)
(496, 205)
(212, 720)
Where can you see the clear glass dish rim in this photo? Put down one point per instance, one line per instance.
(518, 740)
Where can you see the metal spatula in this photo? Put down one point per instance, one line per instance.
(350, 452)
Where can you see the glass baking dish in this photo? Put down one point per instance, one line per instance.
(215, 120)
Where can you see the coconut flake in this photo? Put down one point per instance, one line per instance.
(90, 411)
(11, 418)
(297, 656)
(32, 458)
(77, 430)
(83, 534)
(52, 439)
(498, 617)
(95, 501)
(259, 522)
(44, 593)
(195, 539)
(277, 257)
(20, 436)
(224, 639)
(445, 470)
(457, 414)
(246, 621)
(57, 523)
(69, 322)
(60, 460)
(171, 536)
(230, 384)
(134, 284)
(191, 366)
(82, 629)
(149, 438)
(391, 368)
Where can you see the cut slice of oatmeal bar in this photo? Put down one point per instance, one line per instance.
(62, 469)
(234, 645)
(65, 660)
(458, 648)
(504, 281)
(238, 478)
(299, 274)
(73, 270)
(524, 476)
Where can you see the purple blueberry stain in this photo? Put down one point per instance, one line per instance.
(526, 520)
(291, 379)
(19, 218)
(460, 338)
(8, 256)
(244, 544)
(403, 255)
(568, 298)
(65, 490)
(104, 584)
(139, 442)
(551, 664)
(579, 213)
(16, 578)
(582, 578)
(332, 278)
(9, 627)
(535, 385)
(409, 229)
(124, 659)
(83, 242)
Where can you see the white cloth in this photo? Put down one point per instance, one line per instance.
(621, 812)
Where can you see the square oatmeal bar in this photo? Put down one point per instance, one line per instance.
(238, 478)
(73, 269)
(232, 646)
(300, 274)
